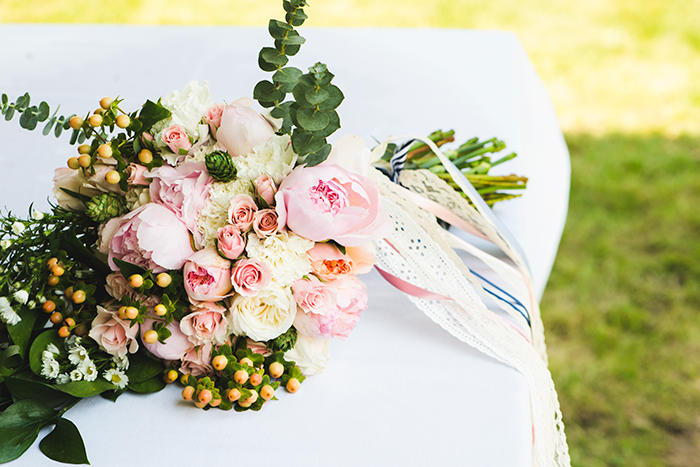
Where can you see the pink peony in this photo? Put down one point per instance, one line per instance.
(184, 190)
(205, 324)
(314, 296)
(266, 189)
(213, 117)
(242, 128)
(176, 138)
(136, 174)
(138, 238)
(229, 241)
(207, 276)
(175, 346)
(265, 222)
(249, 276)
(197, 361)
(114, 336)
(340, 320)
(328, 262)
(242, 211)
(328, 202)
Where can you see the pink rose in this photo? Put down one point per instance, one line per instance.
(138, 238)
(265, 222)
(229, 241)
(314, 296)
(249, 276)
(184, 190)
(197, 362)
(175, 346)
(242, 128)
(266, 189)
(205, 324)
(136, 174)
(176, 138)
(213, 117)
(258, 347)
(72, 180)
(242, 211)
(341, 319)
(328, 262)
(363, 257)
(328, 202)
(114, 336)
(207, 276)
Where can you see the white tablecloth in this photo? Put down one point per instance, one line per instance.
(400, 391)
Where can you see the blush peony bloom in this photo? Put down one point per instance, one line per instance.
(328, 262)
(242, 212)
(229, 241)
(250, 276)
(266, 189)
(363, 257)
(114, 336)
(314, 296)
(265, 222)
(205, 324)
(329, 202)
(184, 190)
(175, 137)
(339, 321)
(264, 316)
(207, 276)
(137, 238)
(197, 362)
(242, 128)
(175, 346)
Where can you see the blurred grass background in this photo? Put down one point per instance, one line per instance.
(622, 302)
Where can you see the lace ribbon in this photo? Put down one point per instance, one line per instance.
(422, 254)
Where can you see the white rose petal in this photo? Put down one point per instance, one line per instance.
(264, 316)
(311, 355)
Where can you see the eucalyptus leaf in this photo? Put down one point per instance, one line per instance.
(5, 99)
(19, 427)
(44, 111)
(278, 29)
(287, 75)
(293, 39)
(312, 120)
(316, 96)
(267, 92)
(59, 127)
(24, 120)
(48, 126)
(335, 97)
(264, 65)
(333, 125)
(273, 56)
(304, 142)
(317, 157)
(289, 50)
(64, 444)
(299, 93)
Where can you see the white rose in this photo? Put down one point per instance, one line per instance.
(189, 106)
(311, 355)
(264, 316)
(274, 158)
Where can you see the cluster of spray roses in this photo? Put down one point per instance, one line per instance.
(276, 247)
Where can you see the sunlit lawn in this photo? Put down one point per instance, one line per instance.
(622, 306)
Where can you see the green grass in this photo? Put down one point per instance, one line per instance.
(621, 309)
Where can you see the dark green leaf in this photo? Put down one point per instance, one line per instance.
(287, 7)
(74, 136)
(24, 120)
(39, 345)
(287, 75)
(5, 99)
(152, 113)
(289, 50)
(316, 96)
(23, 102)
(113, 395)
(335, 97)
(142, 368)
(128, 269)
(64, 444)
(304, 142)
(317, 157)
(299, 93)
(81, 137)
(22, 389)
(10, 360)
(293, 38)
(273, 56)
(312, 120)
(48, 126)
(154, 384)
(59, 126)
(86, 388)
(297, 18)
(44, 111)
(71, 243)
(278, 29)
(22, 331)
(267, 92)
(19, 426)
(333, 125)
(9, 113)
(263, 64)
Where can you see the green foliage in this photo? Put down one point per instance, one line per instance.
(31, 116)
(284, 342)
(20, 425)
(220, 166)
(64, 444)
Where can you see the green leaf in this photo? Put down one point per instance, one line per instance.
(48, 126)
(21, 332)
(59, 126)
(142, 368)
(152, 113)
(317, 157)
(335, 97)
(278, 29)
(264, 65)
(19, 427)
(287, 75)
(273, 56)
(293, 38)
(316, 96)
(44, 111)
(333, 125)
(154, 384)
(24, 120)
(64, 444)
(287, 7)
(86, 388)
(9, 113)
(128, 269)
(304, 142)
(22, 102)
(289, 50)
(297, 18)
(312, 120)
(10, 360)
(113, 395)
(22, 389)
(267, 92)
(39, 345)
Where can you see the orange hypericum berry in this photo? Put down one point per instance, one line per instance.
(253, 397)
(160, 309)
(84, 149)
(276, 369)
(219, 362)
(131, 312)
(105, 151)
(112, 177)
(163, 279)
(233, 395)
(95, 120)
(145, 156)
(204, 396)
(123, 121)
(241, 376)
(78, 297)
(256, 379)
(52, 280)
(51, 263)
(121, 312)
(81, 330)
(76, 122)
(266, 392)
(85, 160)
(56, 317)
(49, 306)
(69, 292)
(246, 361)
(136, 280)
(170, 376)
(57, 270)
(73, 163)
(150, 337)
(293, 385)
(70, 322)
(215, 402)
(187, 393)
(105, 102)
(64, 331)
